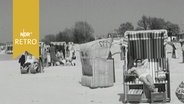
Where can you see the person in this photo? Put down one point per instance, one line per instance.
(63, 47)
(143, 74)
(67, 51)
(22, 59)
(52, 54)
(182, 48)
(173, 51)
(122, 54)
(60, 57)
(43, 54)
(48, 57)
(29, 61)
(71, 50)
(73, 58)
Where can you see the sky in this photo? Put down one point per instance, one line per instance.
(103, 15)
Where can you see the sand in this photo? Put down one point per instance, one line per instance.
(61, 85)
(4, 56)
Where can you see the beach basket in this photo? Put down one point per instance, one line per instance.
(100, 73)
(97, 70)
(153, 46)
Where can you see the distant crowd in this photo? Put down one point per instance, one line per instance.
(53, 54)
(57, 53)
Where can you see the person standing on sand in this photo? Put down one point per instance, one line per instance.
(182, 48)
(48, 57)
(52, 54)
(174, 51)
(43, 54)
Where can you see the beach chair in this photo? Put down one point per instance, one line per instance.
(97, 69)
(148, 44)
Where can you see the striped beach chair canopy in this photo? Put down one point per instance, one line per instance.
(146, 44)
(146, 34)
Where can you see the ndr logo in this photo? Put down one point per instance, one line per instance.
(25, 34)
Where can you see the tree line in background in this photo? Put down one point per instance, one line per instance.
(83, 32)
(150, 23)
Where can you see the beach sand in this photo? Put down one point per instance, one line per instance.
(4, 56)
(61, 85)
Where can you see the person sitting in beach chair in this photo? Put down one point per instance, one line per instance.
(144, 76)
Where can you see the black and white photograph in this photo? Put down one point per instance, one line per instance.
(96, 52)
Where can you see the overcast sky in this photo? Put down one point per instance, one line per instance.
(103, 15)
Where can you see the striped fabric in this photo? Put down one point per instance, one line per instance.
(155, 66)
(142, 45)
(147, 45)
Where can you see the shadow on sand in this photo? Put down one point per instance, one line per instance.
(122, 99)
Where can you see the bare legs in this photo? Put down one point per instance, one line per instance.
(148, 81)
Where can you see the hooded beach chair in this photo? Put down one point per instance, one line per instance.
(150, 45)
(97, 69)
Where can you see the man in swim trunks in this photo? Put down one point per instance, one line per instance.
(142, 72)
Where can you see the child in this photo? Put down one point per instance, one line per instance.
(142, 72)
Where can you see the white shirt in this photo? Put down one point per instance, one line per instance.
(31, 59)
